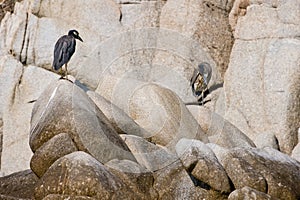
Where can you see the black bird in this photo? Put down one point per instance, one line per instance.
(64, 49)
(200, 80)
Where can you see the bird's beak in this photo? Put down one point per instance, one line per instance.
(79, 38)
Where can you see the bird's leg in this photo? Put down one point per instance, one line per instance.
(66, 74)
(61, 73)
(202, 97)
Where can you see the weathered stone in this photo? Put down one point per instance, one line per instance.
(266, 37)
(161, 112)
(296, 152)
(280, 172)
(65, 108)
(242, 173)
(220, 131)
(238, 9)
(63, 197)
(79, 174)
(173, 182)
(12, 31)
(262, 22)
(266, 139)
(220, 152)
(206, 22)
(6, 6)
(19, 85)
(19, 185)
(101, 15)
(6, 197)
(121, 122)
(139, 14)
(269, 101)
(249, 193)
(149, 155)
(144, 64)
(137, 177)
(11, 71)
(202, 163)
(58, 146)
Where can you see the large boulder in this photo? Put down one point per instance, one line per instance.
(174, 182)
(134, 175)
(263, 170)
(64, 108)
(162, 113)
(156, 109)
(219, 130)
(121, 122)
(79, 174)
(262, 81)
(249, 193)
(152, 157)
(18, 185)
(58, 146)
(202, 163)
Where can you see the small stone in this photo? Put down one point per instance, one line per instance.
(58, 146)
(202, 163)
(249, 193)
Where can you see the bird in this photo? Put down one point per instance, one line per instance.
(200, 79)
(64, 49)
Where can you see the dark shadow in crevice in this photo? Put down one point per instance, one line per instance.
(199, 183)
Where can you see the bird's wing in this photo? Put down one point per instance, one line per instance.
(58, 53)
(69, 49)
(194, 77)
(63, 50)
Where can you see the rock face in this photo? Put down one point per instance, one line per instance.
(127, 126)
(20, 85)
(265, 56)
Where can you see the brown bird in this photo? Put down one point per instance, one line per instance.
(200, 79)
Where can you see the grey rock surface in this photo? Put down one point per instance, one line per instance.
(173, 182)
(65, 108)
(121, 122)
(249, 193)
(262, 81)
(152, 157)
(219, 130)
(19, 86)
(133, 174)
(264, 169)
(162, 113)
(202, 163)
(131, 76)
